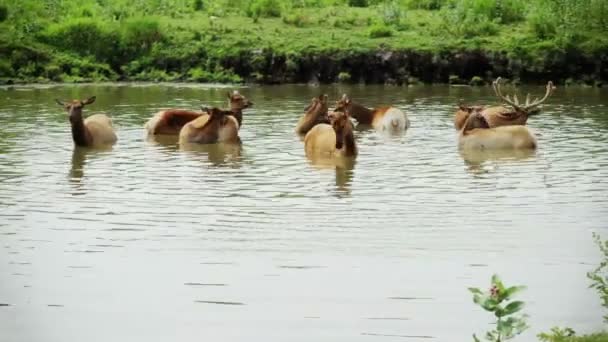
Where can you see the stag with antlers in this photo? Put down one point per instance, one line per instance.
(512, 113)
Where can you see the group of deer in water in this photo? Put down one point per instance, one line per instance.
(326, 133)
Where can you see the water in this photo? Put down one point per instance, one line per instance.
(149, 242)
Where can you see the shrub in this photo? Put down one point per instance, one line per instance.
(425, 4)
(358, 3)
(3, 13)
(264, 8)
(297, 19)
(140, 34)
(86, 37)
(198, 5)
(380, 31)
(344, 77)
(391, 13)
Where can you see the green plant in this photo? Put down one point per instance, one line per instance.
(358, 3)
(391, 13)
(380, 31)
(425, 4)
(599, 276)
(498, 301)
(344, 77)
(265, 8)
(3, 13)
(198, 5)
(568, 335)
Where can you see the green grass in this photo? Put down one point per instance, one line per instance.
(282, 40)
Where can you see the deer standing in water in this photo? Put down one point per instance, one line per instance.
(334, 140)
(171, 121)
(315, 113)
(381, 118)
(217, 126)
(476, 134)
(515, 114)
(94, 131)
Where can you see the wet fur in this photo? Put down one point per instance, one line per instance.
(95, 131)
(478, 135)
(316, 113)
(170, 121)
(381, 118)
(336, 139)
(217, 126)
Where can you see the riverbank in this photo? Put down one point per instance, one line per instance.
(387, 43)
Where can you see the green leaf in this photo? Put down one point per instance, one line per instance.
(489, 304)
(513, 290)
(475, 338)
(513, 307)
(475, 290)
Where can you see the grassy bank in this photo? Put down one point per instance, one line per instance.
(279, 41)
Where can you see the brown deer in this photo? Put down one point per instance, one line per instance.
(171, 121)
(336, 139)
(314, 114)
(476, 134)
(381, 118)
(94, 131)
(217, 126)
(516, 114)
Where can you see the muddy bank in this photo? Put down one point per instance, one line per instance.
(406, 67)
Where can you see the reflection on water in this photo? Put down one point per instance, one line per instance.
(381, 248)
(477, 161)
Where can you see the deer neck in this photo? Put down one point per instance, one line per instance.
(80, 133)
(346, 141)
(362, 114)
(312, 118)
(237, 112)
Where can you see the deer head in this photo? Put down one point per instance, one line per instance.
(238, 101)
(74, 107)
(343, 104)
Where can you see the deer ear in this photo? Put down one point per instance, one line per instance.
(89, 100)
(59, 102)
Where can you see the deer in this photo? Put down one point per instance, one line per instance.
(315, 113)
(217, 125)
(94, 131)
(171, 121)
(515, 114)
(385, 118)
(476, 134)
(332, 140)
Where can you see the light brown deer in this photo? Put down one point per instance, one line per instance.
(171, 121)
(476, 134)
(94, 131)
(334, 140)
(217, 126)
(382, 118)
(315, 113)
(514, 113)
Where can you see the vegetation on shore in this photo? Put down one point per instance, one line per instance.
(278, 41)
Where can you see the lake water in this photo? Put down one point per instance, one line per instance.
(148, 242)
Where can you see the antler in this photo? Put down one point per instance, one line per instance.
(515, 102)
(536, 102)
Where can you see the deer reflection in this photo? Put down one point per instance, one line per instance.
(219, 154)
(343, 166)
(476, 159)
(80, 157)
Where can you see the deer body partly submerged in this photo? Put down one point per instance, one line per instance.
(478, 135)
(381, 118)
(217, 126)
(335, 140)
(171, 122)
(94, 131)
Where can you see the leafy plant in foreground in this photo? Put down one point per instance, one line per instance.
(498, 300)
(599, 276)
